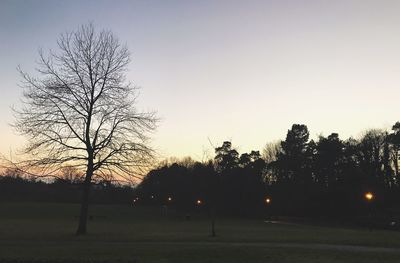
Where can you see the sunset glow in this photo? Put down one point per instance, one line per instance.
(216, 77)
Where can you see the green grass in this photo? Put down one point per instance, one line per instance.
(44, 232)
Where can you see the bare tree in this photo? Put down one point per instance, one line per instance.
(71, 175)
(270, 155)
(271, 151)
(80, 112)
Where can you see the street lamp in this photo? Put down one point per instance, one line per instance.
(165, 206)
(267, 201)
(369, 196)
(199, 202)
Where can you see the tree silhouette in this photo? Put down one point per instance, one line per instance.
(394, 143)
(271, 151)
(226, 158)
(325, 177)
(328, 156)
(371, 157)
(292, 159)
(80, 112)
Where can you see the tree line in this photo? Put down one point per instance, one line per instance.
(65, 188)
(325, 177)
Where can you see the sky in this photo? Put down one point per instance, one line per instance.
(214, 70)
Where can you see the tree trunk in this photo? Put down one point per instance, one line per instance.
(85, 201)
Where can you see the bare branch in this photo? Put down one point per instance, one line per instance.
(80, 110)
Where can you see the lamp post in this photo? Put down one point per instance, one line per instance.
(198, 204)
(267, 204)
(369, 196)
(165, 206)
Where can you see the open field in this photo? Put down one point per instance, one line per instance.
(40, 232)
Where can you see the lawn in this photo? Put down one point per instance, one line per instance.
(43, 232)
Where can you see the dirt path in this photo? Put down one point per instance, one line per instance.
(350, 248)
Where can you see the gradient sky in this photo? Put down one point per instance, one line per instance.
(228, 70)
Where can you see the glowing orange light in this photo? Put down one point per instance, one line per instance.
(369, 196)
(199, 202)
(267, 200)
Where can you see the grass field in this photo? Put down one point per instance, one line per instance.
(42, 232)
